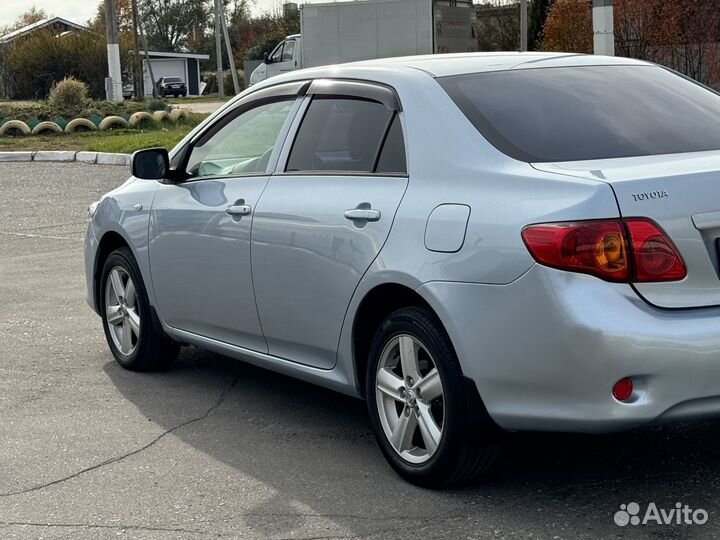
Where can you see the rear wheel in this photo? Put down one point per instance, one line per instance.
(421, 407)
(132, 329)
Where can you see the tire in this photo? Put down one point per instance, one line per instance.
(461, 444)
(147, 348)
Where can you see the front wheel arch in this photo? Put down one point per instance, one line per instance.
(109, 242)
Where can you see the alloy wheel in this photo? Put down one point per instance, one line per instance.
(121, 310)
(410, 399)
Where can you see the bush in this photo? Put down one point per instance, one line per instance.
(156, 105)
(68, 94)
(30, 65)
(229, 86)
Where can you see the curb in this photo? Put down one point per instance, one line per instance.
(57, 156)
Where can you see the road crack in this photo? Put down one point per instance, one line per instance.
(111, 527)
(122, 457)
(44, 236)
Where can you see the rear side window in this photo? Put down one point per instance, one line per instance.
(344, 134)
(392, 157)
(591, 112)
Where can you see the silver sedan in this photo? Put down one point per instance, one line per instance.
(474, 244)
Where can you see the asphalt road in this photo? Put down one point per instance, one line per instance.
(219, 449)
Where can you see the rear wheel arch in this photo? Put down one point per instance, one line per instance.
(375, 307)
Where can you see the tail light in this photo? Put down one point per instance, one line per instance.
(655, 256)
(617, 250)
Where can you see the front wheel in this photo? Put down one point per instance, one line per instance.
(421, 407)
(133, 331)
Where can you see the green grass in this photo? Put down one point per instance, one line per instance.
(128, 141)
(123, 141)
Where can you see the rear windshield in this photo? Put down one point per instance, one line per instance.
(584, 113)
(173, 79)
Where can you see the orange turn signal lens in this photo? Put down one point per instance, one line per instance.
(598, 248)
(610, 252)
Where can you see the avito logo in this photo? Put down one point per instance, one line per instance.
(682, 514)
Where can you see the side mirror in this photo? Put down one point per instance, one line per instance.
(266, 58)
(150, 164)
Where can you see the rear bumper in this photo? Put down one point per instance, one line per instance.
(545, 351)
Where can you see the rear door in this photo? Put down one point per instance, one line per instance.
(324, 216)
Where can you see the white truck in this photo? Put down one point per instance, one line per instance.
(332, 33)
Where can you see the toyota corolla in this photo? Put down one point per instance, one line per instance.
(474, 244)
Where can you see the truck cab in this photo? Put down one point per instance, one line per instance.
(287, 56)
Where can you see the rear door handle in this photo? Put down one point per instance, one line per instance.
(238, 210)
(364, 214)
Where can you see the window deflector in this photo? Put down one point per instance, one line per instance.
(292, 90)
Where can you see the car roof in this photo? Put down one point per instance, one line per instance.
(444, 65)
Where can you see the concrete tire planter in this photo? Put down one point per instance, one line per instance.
(47, 128)
(15, 125)
(111, 122)
(161, 117)
(179, 114)
(138, 118)
(80, 124)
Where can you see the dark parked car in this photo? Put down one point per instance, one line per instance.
(171, 86)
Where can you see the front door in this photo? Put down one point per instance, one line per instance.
(324, 217)
(282, 58)
(200, 228)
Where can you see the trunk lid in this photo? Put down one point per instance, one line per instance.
(681, 193)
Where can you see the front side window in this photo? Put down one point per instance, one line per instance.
(590, 112)
(276, 55)
(241, 146)
(288, 51)
(341, 134)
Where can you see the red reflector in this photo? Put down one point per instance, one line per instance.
(622, 390)
(654, 254)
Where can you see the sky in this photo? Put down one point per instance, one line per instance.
(78, 11)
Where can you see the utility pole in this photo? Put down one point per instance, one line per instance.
(138, 79)
(149, 63)
(523, 25)
(113, 83)
(218, 49)
(603, 29)
(231, 59)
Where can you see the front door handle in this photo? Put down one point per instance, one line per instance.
(239, 210)
(362, 214)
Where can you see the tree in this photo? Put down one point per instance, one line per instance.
(498, 26)
(681, 35)
(568, 27)
(123, 15)
(536, 22)
(170, 25)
